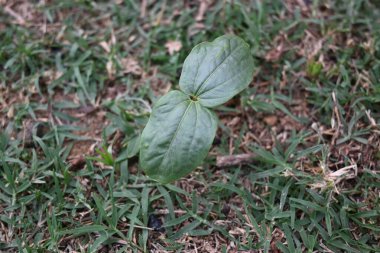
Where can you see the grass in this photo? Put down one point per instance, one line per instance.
(77, 82)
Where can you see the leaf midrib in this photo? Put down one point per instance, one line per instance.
(207, 91)
(219, 66)
(176, 131)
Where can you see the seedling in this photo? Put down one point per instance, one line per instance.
(182, 127)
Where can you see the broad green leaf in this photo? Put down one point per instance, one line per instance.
(177, 137)
(216, 71)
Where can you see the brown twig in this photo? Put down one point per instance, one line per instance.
(232, 160)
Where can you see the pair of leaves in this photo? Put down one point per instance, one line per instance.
(181, 128)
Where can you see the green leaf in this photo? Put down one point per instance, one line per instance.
(216, 71)
(177, 137)
(133, 146)
(181, 129)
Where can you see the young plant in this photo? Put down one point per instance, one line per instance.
(181, 128)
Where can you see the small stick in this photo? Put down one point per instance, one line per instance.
(232, 160)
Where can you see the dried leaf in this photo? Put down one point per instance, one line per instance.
(110, 69)
(202, 10)
(270, 120)
(173, 46)
(105, 46)
(275, 53)
(237, 231)
(11, 112)
(130, 65)
(19, 19)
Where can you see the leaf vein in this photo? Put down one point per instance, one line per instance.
(219, 66)
(175, 135)
(206, 91)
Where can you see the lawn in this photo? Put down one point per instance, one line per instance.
(294, 167)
